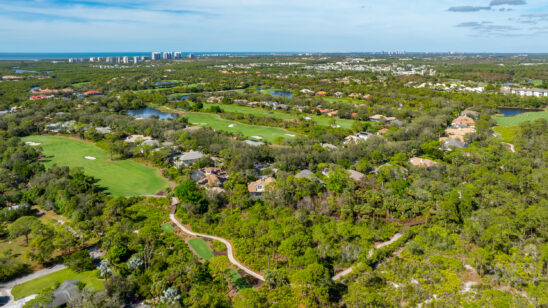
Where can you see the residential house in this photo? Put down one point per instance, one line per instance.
(254, 143)
(321, 93)
(191, 128)
(103, 130)
(257, 188)
(209, 177)
(362, 136)
(309, 175)
(136, 138)
(328, 146)
(64, 293)
(187, 158)
(11, 77)
(379, 117)
(40, 97)
(450, 144)
(306, 91)
(463, 121)
(355, 175)
(458, 133)
(526, 91)
(423, 162)
(470, 113)
(92, 93)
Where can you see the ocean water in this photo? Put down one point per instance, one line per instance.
(66, 55)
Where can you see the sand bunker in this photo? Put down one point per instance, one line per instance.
(290, 135)
(90, 157)
(256, 137)
(32, 144)
(231, 125)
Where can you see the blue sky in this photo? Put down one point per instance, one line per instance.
(274, 25)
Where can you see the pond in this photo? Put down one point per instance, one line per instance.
(510, 112)
(21, 71)
(151, 112)
(178, 99)
(281, 93)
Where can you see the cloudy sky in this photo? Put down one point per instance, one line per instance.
(274, 25)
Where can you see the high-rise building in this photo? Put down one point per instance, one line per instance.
(156, 56)
(190, 56)
(125, 59)
(136, 60)
(109, 59)
(168, 55)
(177, 55)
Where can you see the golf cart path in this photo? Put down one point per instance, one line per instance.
(347, 271)
(230, 249)
(5, 288)
(509, 146)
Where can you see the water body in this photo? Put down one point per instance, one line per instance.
(179, 99)
(281, 93)
(66, 55)
(21, 71)
(151, 112)
(510, 112)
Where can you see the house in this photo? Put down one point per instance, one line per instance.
(525, 91)
(191, 128)
(64, 293)
(470, 113)
(463, 121)
(379, 117)
(362, 136)
(187, 158)
(135, 138)
(450, 144)
(214, 99)
(328, 146)
(306, 91)
(151, 143)
(11, 77)
(423, 162)
(92, 93)
(321, 93)
(40, 96)
(458, 133)
(333, 113)
(309, 175)
(382, 131)
(254, 143)
(103, 130)
(355, 175)
(209, 177)
(257, 188)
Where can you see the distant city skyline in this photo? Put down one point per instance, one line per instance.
(501, 26)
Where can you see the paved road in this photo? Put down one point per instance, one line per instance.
(227, 243)
(380, 245)
(509, 146)
(5, 288)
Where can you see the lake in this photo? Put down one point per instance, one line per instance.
(21, 71)
(510, 112)
(281, 93)
(151, 112)
(178, 99)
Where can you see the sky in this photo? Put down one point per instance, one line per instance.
(274, 25)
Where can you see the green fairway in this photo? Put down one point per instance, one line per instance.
(324, 121)
(251, 131)
(507, 133)
(119, 178)
(167, 228)
(200, 247)
(47, 282)
(520, 118)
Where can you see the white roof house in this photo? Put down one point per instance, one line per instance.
(254, 143)
(187, 158)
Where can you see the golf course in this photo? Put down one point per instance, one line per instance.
(258, 112)
(520, 118)
(118, 177)
(251, 131)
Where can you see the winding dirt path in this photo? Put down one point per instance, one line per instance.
(509, 146)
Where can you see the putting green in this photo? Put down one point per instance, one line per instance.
(120, 178)
(250, 131)
(200, 247)
(323, 121)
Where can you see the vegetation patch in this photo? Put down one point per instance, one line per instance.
(237, 280)
(119, 178)
(200, 247)
(507, 133)
(52, 280)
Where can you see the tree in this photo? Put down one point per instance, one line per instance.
(189, 193)
(170, 296)
(41, 249)
(23, 226)
(249, 298)
(275, 278)
(79, 261)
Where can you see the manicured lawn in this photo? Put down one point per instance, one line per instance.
(46, 282)
(520, 118)
(213, 121)
(324, 121)
(507, 133)
(200, 247)
(236, 280)
(120, 177)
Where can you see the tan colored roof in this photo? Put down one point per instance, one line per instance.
(252, 187)
(464, 120)
(423, 162)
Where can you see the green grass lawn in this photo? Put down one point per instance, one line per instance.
(213, 121)
(507, 133)
(320, 120)
(120, 178)
(47, 282)
(200, 247)
(167, 228)
(520, 118)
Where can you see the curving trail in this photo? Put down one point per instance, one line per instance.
(509, 146)
(229, 248)
(347, 271)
